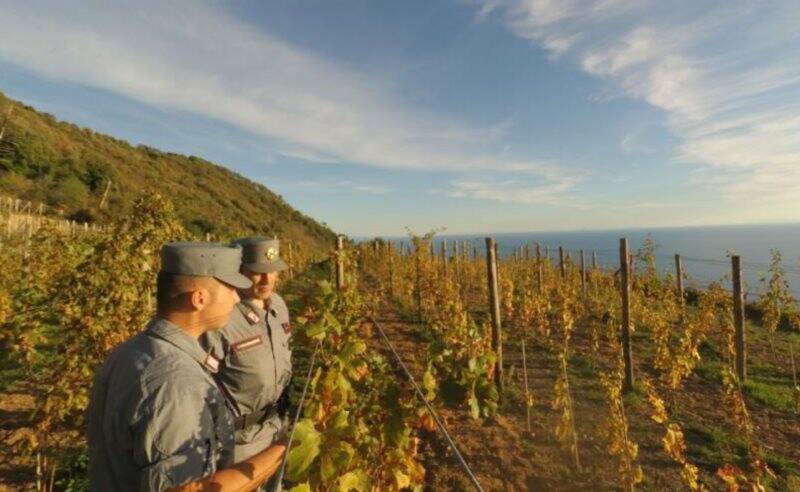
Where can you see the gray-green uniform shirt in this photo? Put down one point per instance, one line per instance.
(256, 367)
(157, 418)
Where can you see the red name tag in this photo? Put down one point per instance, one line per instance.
(247, 343)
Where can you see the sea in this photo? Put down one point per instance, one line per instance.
(705, 250)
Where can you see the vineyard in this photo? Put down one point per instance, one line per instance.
(438, 370)
(554, 378)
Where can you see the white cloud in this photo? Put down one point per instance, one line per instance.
(726, 73)
(634, 142)
(339, 185)
(194, 56)
(548, 188)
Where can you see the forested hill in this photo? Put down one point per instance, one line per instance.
(69, 168)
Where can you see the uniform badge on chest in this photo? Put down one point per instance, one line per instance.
(247, 343)
(252, 317)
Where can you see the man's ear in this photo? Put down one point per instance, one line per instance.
(199, 299)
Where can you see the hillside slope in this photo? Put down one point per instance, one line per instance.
(69, 168)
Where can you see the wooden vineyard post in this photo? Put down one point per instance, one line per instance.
(624, 266)
(444, 256)
(339, 263)
(679, 277)
(390, 252)
(456, 262)
(539, 268)
(594, 260)
(738, 318)
(528, 401)
(561, 265)
(494, 309)
(583, 273)
(418, 282)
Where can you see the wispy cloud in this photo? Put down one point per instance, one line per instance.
(195, 56)
(330, 184)
(726, 73)
(549, 186)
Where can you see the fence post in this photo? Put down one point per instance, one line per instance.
(679, 274)
(583, 273)
(494, 308)
(624, 266)
(339, 263)
(561, 265)
(418, 280)
(444, 256)
(594, 260)
(539, 267)
(738, 318)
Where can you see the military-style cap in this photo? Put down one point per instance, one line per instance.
(261, 255)
(205, 260)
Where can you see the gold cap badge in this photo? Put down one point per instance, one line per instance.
(271, 254)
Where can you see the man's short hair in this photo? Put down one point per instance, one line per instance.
(167, 290)
(171, 287)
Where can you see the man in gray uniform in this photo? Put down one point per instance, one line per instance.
(157, 420)
(254, 347)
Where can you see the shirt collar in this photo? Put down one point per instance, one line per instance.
(260, 308)
(171, 333)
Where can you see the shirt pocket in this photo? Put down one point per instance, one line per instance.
(253, 371)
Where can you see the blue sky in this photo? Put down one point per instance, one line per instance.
(477, 116)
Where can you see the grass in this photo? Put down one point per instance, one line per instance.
(711, 446)
(778, 397)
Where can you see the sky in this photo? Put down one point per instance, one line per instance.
(465, 115)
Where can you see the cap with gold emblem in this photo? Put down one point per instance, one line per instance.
(261, 255)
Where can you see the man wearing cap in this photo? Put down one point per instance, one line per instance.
(254, 349)
(157, 419)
